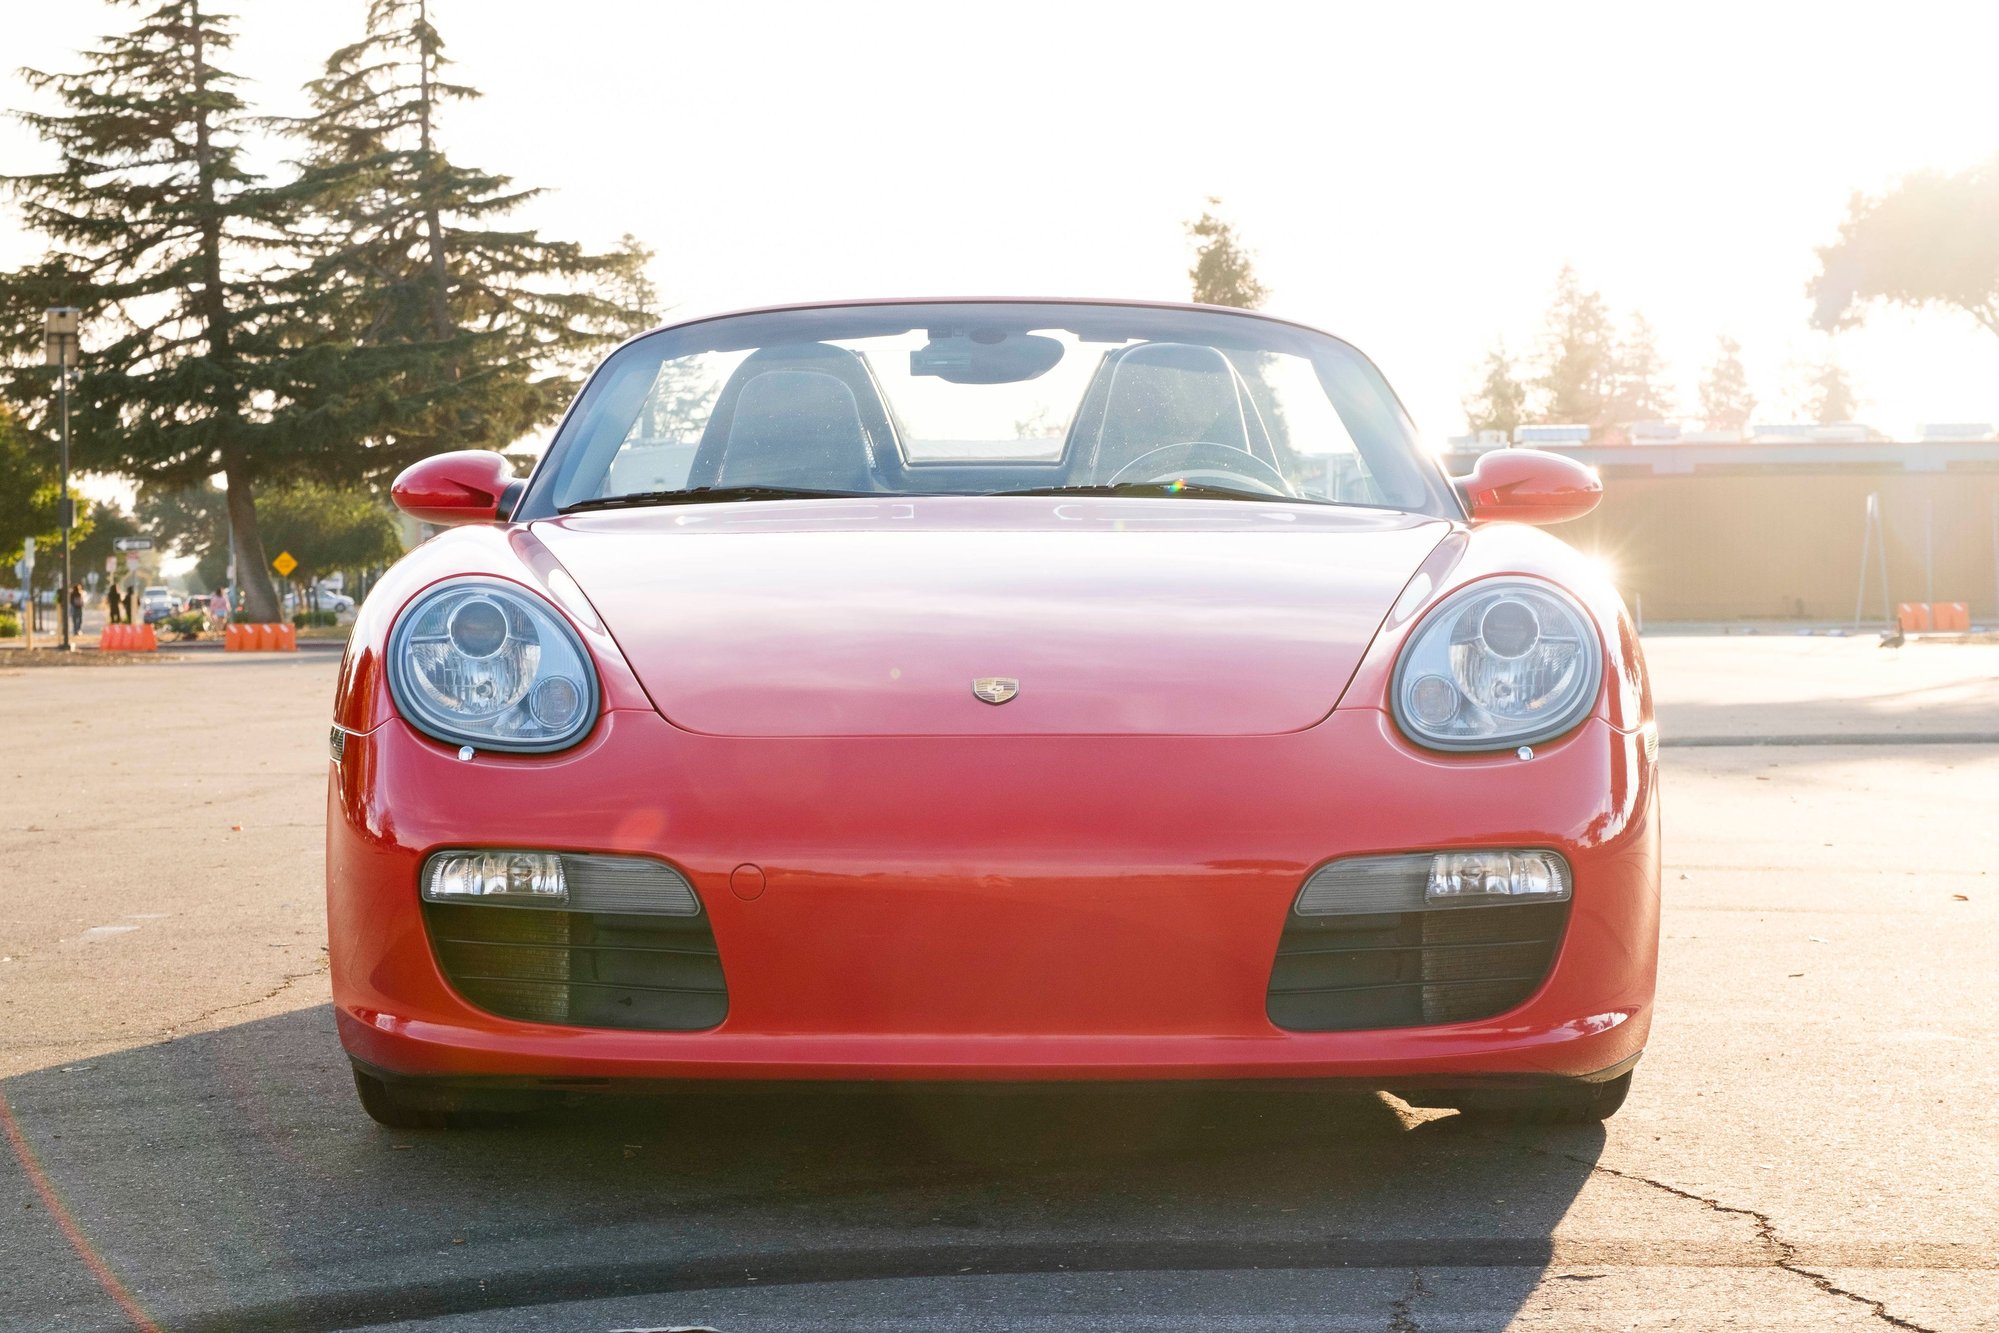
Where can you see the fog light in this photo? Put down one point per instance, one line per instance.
(523, 876)
(1463, 877)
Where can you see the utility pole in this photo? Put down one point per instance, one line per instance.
(59, 349)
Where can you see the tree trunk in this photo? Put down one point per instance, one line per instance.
(260, 597)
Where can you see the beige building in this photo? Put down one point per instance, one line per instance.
(1759, 531)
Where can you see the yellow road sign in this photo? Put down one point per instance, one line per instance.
(284, 564)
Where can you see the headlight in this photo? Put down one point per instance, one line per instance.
(488, 664)
(1501, 663)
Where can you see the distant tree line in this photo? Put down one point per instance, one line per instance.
(300, 333)
(1929, 242)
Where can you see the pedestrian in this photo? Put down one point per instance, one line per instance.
(111, 604)
(76, 608)
(218, 606)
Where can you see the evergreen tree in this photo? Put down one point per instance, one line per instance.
(1501, 401)
(1577, 357)
(1828, 397)
(1640, 391)
(442, 327)
(1726, 403)
(159, 233)
(1222, 272)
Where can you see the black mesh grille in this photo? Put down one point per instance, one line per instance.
(588, 969)
(1411, 969)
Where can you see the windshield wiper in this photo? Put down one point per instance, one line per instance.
(712, 495)
(1196, 490)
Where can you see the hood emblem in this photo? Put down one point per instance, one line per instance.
(995, 689)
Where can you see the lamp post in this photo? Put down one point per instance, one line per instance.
(59, 349)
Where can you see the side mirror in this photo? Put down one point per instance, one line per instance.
(469, 486)
(1529, 486)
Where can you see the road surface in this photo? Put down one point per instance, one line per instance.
(1812, 1142)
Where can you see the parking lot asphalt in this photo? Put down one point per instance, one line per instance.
(1812, 1141)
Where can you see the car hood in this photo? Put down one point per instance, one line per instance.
(1117, 616)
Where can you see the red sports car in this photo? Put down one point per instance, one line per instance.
(1013, 691)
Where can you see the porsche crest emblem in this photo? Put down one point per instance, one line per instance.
(995, 689)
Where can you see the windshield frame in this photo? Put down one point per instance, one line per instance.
(539, 497)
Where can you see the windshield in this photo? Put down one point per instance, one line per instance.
(986, 398)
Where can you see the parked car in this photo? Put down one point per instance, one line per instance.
(326, 600)
(1214, 733)
(157, 603)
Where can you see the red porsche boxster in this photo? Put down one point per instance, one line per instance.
(1014, 691)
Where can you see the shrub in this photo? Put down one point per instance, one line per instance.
(10, 627)
(188, 624)
(305, 619)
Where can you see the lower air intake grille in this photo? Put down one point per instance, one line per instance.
(1411, 969)
(587, 969)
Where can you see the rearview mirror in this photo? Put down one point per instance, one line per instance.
(468, 486)
(1528, 486)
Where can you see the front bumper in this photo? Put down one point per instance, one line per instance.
(996, 909)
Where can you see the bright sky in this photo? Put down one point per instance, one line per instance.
(1409, 177)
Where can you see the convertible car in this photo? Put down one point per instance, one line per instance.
(999, 691)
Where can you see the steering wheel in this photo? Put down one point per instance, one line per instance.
(1204, 461)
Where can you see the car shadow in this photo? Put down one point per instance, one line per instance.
(229, 1180)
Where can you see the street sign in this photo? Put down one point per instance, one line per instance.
(132, 544)
(110, 564)
(284, 564)
(132, 560)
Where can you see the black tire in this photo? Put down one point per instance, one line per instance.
(401, 1107)
(1573, 1104)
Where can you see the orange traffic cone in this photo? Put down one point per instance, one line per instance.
(149, 641)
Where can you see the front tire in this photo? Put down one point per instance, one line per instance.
(1576, 1104)
(1567, 1104)
(401, 1107)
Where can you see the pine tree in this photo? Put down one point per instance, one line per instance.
(452, 331)
(1501, 401)
(1829, 398)
(1640, 391)
(1577, 358)
(1222, 272)
(1726, 403)
(159, 232)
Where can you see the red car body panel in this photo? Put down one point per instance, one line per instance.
(1087, 883)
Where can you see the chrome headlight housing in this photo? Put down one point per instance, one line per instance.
(1500, 663)
(488, 664)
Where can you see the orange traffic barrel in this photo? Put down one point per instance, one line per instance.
(287, 638)
(267, 638)
(1913, 616)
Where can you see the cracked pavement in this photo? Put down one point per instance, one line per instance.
(1812, 1142)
